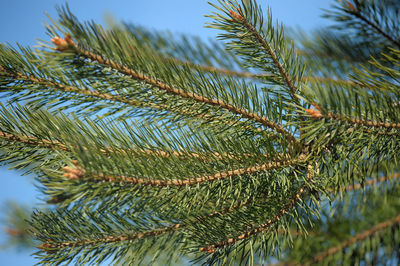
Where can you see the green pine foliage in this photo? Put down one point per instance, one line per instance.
(259, 148)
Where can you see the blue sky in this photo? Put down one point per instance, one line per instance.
(22, 21)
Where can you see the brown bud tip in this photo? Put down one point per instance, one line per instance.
(208, 249)
(62, 44)
(75, 162)
(70, 176)
(351, 7)
(73, 173)
(236, 15)
(43, 246)
(68, 169)
(54, 200)
(314, 113)
(68, 39)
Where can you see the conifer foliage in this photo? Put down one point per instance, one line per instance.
(259, 148)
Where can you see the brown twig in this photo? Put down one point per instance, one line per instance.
(244, 74)
(329, 80)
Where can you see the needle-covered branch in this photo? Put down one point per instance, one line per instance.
(79, 172)
(183, 93)
(160, 148)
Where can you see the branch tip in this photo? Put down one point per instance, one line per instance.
(314, 113)
(62, 44)
(73, 173)
(236, 16)
(351, 7)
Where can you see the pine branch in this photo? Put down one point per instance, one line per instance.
(83, 92)
(49, 246)
(371, 182)
(316, 114)
(259, 228)
(43, 84)
(52, 246)
(175, 91)
(358, 14)
(243, 74)
(311, 172)
(359, 237)
(79, 172)
(105, 96)
(267, 47)
(194, 154)
(29, 140)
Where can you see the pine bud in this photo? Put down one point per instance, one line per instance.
(68, 39)
(314, 113)
(43, 246)
(62, 44)
(73, 173)
(351, 7)
(236, 15)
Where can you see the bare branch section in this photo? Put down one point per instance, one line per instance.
(316, 114)
(359, 237)
(78, 173)
(175, 91)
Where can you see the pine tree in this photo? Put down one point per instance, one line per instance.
(259, 148)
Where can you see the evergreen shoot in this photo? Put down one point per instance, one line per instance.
(262, 147)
